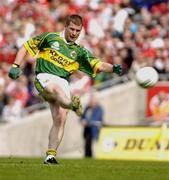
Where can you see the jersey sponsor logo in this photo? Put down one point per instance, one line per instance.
(55, 45)
(59, 59)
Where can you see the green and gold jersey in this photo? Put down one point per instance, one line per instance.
(57, 57)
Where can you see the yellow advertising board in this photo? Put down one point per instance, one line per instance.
(133, 143)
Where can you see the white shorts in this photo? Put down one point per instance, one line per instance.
(43, 79)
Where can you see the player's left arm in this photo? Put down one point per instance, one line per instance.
(95, 65)
(109, 68)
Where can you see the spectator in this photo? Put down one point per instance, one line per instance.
(3, 96)
(80, 83)
(143, 27)
(159, 106)
(12, 110)
(92, 120)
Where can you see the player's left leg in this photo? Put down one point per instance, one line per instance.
(59, 116)
(55, 89)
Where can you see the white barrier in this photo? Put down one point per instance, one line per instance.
(123, 104)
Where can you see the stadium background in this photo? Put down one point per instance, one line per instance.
(134, 33)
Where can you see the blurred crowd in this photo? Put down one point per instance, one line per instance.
(134, 33)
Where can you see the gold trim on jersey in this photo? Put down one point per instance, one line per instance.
(29, 49)
(95, 64)
(59, 59)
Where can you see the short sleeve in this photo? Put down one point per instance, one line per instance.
(33, 45)
(89, 63)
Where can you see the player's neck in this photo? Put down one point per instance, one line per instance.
(62, 34)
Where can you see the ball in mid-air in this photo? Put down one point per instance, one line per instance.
(146, 77)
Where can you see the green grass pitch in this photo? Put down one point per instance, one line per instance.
(82, 169)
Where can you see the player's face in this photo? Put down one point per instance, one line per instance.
(72, 32)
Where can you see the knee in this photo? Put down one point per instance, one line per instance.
(50, 93)
(55, 93)
(50, 88)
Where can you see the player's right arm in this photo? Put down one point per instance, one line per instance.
(31, 46)
(14, 72)
(20, 55)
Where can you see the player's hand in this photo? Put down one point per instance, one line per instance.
(117, 68)
(14, 72)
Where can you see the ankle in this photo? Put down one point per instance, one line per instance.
(51, 152)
